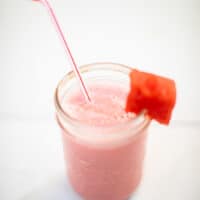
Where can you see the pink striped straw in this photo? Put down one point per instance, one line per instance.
(67, 50)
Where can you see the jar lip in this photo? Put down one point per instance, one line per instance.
(87, 67)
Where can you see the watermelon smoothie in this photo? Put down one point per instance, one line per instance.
(104, 147)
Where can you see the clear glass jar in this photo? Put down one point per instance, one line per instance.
(103, 163)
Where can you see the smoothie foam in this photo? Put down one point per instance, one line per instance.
(107, 107)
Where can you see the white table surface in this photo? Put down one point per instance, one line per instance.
(32, 166)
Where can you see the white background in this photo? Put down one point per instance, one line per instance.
(157, 36)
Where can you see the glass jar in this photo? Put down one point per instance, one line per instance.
(103, 163)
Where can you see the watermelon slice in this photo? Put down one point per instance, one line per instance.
(154, 93)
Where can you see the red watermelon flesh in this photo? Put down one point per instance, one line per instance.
(154, 93)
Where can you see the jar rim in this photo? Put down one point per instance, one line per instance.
(140, 120)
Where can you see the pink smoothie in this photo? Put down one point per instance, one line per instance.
(102, 172)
